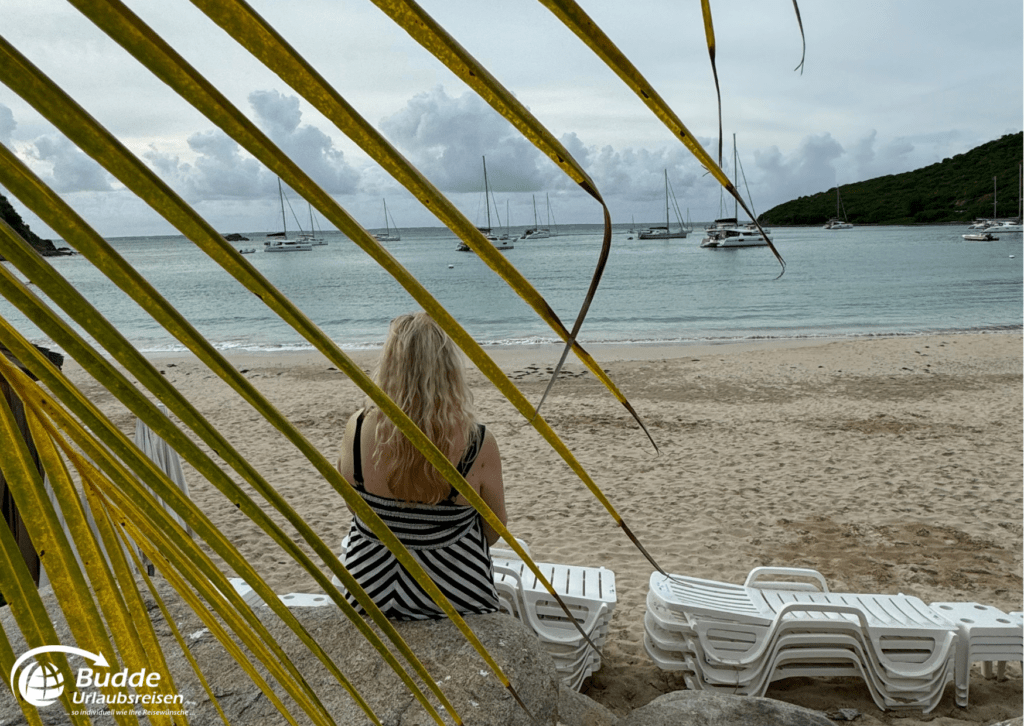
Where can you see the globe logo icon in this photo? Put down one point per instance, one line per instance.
(41, 684)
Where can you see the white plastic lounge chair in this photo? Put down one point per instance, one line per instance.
(510, 554)
(883, 619)
(987, 635)
(584, 588)
(743, 637)
(249, 595)
(589, 595)
(540, 611)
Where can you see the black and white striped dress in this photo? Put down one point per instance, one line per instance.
(447, 539)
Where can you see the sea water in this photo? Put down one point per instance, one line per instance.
(864, 281)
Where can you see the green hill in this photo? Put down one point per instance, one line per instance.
(958, 189)
(44, 246)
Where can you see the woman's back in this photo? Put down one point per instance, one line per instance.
(448, 539)
(421, 370)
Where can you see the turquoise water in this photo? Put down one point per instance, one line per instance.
(858, 282)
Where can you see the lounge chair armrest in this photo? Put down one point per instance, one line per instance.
(510, 554)
(754, 655)
(758, 572)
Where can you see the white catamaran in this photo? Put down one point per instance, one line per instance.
(728, 232)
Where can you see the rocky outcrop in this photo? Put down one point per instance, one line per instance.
(714, 709)
(464, 677)
(45, 247)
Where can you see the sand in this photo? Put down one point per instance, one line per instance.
(888, 464)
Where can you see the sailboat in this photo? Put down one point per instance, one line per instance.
(388, 235)
(995, 225)
(838, 222)
(500, 244)
(280, 241)
(665, 232)
(317, 240)
(536, 231)
(728, 232)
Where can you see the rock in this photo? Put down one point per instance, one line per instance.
(1019, 721)
(236, 237)
(462, 674)
(844, 714)
(683, 708)
(47, 248)
(575, 709)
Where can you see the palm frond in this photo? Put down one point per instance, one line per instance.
(39, 90)
(122, 488)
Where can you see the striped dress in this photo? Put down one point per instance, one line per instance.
(446, 539)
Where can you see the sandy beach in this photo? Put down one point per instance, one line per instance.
(888, 464)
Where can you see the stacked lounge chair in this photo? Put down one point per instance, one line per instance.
(740, 638)
(589, 594)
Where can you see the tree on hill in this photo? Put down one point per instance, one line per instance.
(957, 189)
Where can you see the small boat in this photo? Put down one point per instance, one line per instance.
(979, 237)
(499, 243)
(247, 251)
(279, 241)
(665, 232)
(388, 235)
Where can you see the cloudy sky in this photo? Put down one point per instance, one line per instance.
(887, 87)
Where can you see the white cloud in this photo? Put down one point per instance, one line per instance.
(70, 169)
(446, 137)
(221, 169)
(7, 125)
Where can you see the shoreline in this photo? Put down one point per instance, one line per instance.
(512, 354)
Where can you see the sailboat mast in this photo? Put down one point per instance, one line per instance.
(535, 225)
(280, 193)
(666, 201)
(487, 195)
(387, 227)
(736, 181)
(995, 214)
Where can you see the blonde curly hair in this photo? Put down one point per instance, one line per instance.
(422, 371)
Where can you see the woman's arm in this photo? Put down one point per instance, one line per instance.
(346, 462)
(487, 471)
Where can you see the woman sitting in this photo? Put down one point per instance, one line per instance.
(421, 369)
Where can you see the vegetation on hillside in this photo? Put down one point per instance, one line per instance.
(10, 215)
(958, 189)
